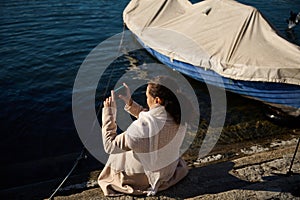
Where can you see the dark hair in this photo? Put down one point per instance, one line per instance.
(159, 87)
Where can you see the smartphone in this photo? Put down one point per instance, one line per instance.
(120, 91)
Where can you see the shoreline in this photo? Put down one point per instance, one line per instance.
(256, 172)
(248, 170)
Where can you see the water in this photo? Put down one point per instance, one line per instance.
(42, 46)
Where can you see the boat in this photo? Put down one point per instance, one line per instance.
(223, 43)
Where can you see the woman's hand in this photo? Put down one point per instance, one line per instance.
(127, 99)
(110, 101)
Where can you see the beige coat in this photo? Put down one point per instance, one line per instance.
(126, 170)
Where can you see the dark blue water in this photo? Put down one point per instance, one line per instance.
(42, 45)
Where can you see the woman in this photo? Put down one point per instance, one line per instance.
(146, 157)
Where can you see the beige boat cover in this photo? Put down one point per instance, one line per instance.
(232, 39)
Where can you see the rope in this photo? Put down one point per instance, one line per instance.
(290, 172)
(74, 166)
(82, 154)
(113, 68)
(109, 80)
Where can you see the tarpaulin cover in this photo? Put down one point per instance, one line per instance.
(232, 39)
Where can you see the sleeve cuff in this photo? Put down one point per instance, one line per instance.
(109, 112)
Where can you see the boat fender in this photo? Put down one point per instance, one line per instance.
(293, 20)
(280, 118)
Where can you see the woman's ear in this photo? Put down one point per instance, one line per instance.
(157, 100)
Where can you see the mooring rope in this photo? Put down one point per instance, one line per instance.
(82, 154)
(74, 166)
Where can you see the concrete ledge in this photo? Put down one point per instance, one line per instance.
(256, 176)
